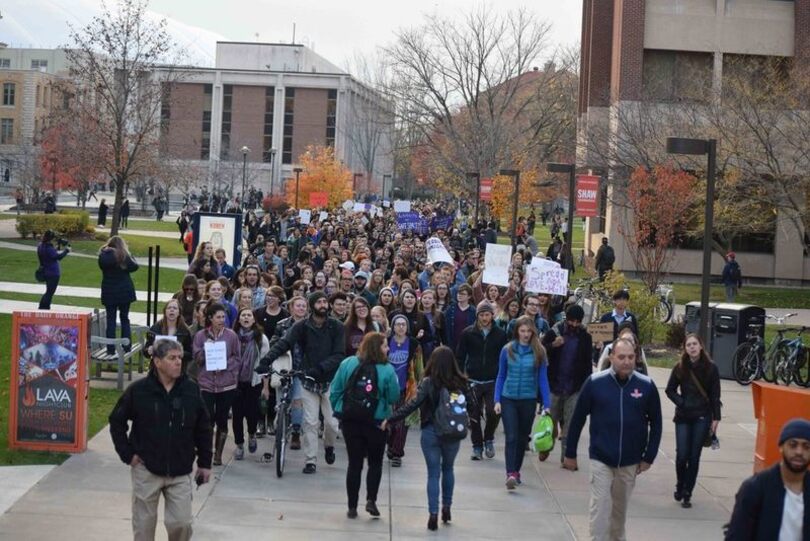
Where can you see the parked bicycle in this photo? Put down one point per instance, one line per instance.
(283, 421)
(665, 308)
(752, 360)
(792, 360)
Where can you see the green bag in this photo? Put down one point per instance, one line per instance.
(543, 434)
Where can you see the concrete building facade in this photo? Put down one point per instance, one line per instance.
(692, 42)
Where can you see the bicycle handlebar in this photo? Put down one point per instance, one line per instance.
(780, 320)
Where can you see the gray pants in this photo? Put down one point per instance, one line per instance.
(731, 293)
(562, 409)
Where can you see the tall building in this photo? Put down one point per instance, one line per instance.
(657, 51)
(272, 100)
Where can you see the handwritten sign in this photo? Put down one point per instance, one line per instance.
(165, 337)
(544, 276)
(402, 206)
(601, 332)
(436, 252)
(323, 216)
(496, 264)
(305, 216)
(216, 356)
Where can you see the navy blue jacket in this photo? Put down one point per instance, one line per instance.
(630, 317)
(450, 315)
(116, 284)
(49, 259)
(625, 420)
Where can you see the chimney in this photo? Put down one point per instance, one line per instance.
(549, 67)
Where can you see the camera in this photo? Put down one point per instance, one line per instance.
(62, 242)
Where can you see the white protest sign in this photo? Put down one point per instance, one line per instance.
(305, 216)
(216, 356)
(359, 207)
(386, 204)
(165, 337)
(496, 264)
(436, 252)
(544, 276)
(347, 205)
(323, 216)
(402, 206)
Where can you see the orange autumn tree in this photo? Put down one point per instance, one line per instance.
(322, 173)
(657, 205)
(503, 196)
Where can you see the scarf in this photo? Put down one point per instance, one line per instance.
(250, 354)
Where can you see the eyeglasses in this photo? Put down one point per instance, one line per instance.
(533, 304)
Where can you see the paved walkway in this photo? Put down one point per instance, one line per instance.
(68, 291)
(88, 497)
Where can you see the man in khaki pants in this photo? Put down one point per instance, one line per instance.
(170, 426)
(625, 431)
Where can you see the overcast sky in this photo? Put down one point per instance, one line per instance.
(336, 29)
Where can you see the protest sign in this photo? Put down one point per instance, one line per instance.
(359, 207)
(386, 204)
(496, 264)
(402, 206)
(544, 276)
(318, 199)
(305, 216)
(601, 332)
(216, 356)
(323, 216)
(347, 205)
(436, 252)
(441, 222)
(408, 220)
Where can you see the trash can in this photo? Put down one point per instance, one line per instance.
(732, 324)
(692, 320)
(775, 405)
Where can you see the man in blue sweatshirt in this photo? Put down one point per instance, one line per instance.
(625, 432)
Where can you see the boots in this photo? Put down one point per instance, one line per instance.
(218, 446)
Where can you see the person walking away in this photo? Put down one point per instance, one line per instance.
(362, 394)
(442, 376)
(125, 214)
(182, 224)
(605, 259)
(49, 258)
(569, 347)
(170, 427)
(254, 345)
(102, 212)
(117, 289)
(479, 350)
(521, 388)
(732, 276)
(625, 432)
(697, 412)
(217, 385)
(775, 503)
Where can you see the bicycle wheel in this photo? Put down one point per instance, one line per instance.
(783, 366)
(663, 311)
(801, 369)
(745, 363)
(769, 367)
(281, 438)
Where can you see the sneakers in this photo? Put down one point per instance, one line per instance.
(352, 512)
(489, 449)
(517, 476)
(678, 495)
(260, 430)
(252, 444)
(295, 442)
(511, 481)
(396, 461)
(371, 509)
(310, 468)
(477, 453)
(330, 455)
(240, 452)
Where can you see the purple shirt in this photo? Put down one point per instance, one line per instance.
(398, 357)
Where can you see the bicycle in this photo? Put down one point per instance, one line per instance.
(751, 359)
(283, 422)
(665, 307)
(791, 360)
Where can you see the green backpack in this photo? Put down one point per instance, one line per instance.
(543, 434)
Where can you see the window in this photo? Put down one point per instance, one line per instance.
(6, 167)
(5, 63)
(6, 131)
(39, 64)
(676, 76)
(289, 108)
(269, 104)
(225, 140)
(205, 141)
(331, 117)
(8, 93)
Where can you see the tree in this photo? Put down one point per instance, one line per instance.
(322, 173)
(657, 202)
(503, 195)
(113, 63)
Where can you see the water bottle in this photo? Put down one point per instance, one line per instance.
(715, 442)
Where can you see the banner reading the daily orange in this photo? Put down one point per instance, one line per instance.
(49, 381)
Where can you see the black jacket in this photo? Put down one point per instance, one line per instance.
(478, 356)
(426, 399)
(168, 429)
(183, 336)
(689, 403)
(323, 348)
(630, 317)
(582, 364)
(758, 508)
(116, 282)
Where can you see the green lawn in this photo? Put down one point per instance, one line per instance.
(168, 225)
(101, 403)
(90, 302)
(5, 216)
(138, 245)
(770, 297)
(19, 266)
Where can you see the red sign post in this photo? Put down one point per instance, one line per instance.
(318, 200)
(587, 196)
(486, 189)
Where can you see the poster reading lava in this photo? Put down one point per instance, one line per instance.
(48, 381)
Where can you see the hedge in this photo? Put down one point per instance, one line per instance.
(68, 224)
(85, 216)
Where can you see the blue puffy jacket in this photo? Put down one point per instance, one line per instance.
(625, 419)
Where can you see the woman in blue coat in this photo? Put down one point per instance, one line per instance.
(49, 263)
(117, 289)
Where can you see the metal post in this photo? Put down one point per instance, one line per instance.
(477, 177)
(272, 169)
(383, 185)
(244, 172)
(157, 282)
(297, 173)
(149, 290)
(569, 235)
(711, 147)
(515, 210)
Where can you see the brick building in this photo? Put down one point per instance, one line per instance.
(640, 52)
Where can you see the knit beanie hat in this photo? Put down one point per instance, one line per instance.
(484, 306)
(795, 428)
(314, 297)
(402, 317)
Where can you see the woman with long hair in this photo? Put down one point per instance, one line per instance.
(215, 294)
(171, 324)
(443, 298)
(380, 317)
(694, 388)
(49, 263)
(522, 377)
(187, 298)
(217, 385)
(510, 312)
(364, 438)
(387, 300)
(435, 319)
(441, 372)
(117, 289)
(358, 323)
(203, 255)
(254, 345)
(625, 331)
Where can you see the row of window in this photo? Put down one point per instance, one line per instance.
(225, 139)
(6, 131)
(5, 63)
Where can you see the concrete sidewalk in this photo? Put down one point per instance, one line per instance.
(68, 291)
(247, 501)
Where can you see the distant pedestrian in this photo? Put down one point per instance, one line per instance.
(102, 212)
(732, 276)
(161, 445)
(49, 258)
(125, 214)
(20, 199)
(605, 258)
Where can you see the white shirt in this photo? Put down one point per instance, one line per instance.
(792, 517)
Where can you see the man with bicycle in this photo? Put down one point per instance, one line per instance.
(322, 344)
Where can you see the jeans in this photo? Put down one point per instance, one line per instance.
(126, 331)
(689, 437)
(518, 416)
(218, 405)
(439, 458)
(731, 293)
(482, 404)
(51, 283)
(363, 441)
(245, 408)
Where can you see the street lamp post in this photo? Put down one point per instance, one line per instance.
(477, 177)
(245, 151)
(383, 185)
(571, 169)
(297, 171)
(354, 183)
(272, 169)
(680, 145)
(516, 174)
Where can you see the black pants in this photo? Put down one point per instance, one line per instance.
(218, 405)
(363, 441)
(482, 404)
(689, 437)
(245, 407)
(51, 283)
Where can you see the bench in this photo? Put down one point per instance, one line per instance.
(121, 358)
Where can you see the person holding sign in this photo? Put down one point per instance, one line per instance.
(217, 353)
(171, 326)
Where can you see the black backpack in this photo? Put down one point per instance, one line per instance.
(450, 421)
(361, 396)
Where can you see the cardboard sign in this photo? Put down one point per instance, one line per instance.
(601, 332)
(436, 252)
(402, 206)
(544, 276)
(48, 381)
(496, 264)
(305, 216)
(587, 196)
(318, 199)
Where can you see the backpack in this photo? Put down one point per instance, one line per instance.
(609, 257)
(450, 421)
(362, 394)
